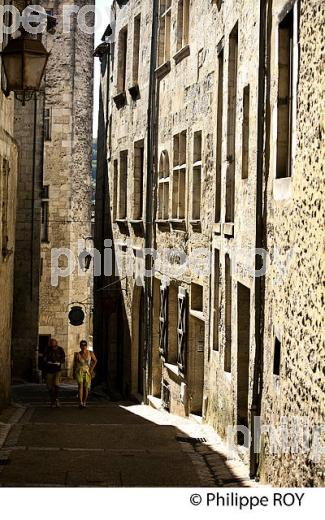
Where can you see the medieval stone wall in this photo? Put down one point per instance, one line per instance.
(28, 130)
(8, 187)
(67, 168)
(200, 89)
(295, 298)
(129, 126)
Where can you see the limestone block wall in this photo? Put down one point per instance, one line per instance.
(67, 168)
(28, 130)
(211, 86)
(8, 190)
(189, 98)
(294, 302)
(129, 126)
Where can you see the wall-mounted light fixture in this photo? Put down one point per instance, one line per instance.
(85, 257)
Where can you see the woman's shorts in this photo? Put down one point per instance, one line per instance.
(83, 377)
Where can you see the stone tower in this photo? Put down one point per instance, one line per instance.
(66, 204)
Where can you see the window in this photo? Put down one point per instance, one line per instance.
(47, 124)
(44, 220)
(183, 19)
(5, 206)
(182, 329)
(219, 135)
(123, 174)
(122, 54)
(277, 357)
(197, 176)
(179, 177)
(138, 180)
(228, 314)
(172, 324)
(285, 97)
(243, 344)
(245, 133)
(115, 189)
(216, 300)
(163, 187)
(136, 48)
(163, 322)
(231, 124)
(164, 31)
(45, 214)
(196, 297)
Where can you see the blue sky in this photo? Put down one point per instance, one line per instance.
(102, 21)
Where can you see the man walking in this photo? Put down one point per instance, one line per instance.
(54, 358)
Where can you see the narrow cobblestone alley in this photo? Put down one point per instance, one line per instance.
(107, 445)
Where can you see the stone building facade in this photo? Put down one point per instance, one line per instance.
(210, 129)
(8, 187)
(125, 73)
(28, 131)
(294, 303)
(66, 178)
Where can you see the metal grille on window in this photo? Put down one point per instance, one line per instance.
(163, 322)
(182, 329)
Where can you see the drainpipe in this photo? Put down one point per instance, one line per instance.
(148, 282)
(259, 244)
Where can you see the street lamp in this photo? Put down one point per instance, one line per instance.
(24, 60)
(85, 256)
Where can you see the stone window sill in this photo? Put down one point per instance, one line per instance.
(282, 189)
(197, 314)
(217, 228)
(228, 229)
(181, 54)
(163, 70)
(163, 224)
(134, 91)
(178, 223)
(276, 383)
(120, 99)
(196, 225)
(121, 222)
(122, 246)
(174, 369)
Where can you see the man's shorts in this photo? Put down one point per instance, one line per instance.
(53, 379)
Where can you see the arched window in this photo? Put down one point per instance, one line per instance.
(163, 187)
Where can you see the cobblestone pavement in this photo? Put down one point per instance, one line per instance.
(107, 444)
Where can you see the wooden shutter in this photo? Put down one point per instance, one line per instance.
(163, 322)
(182, 329)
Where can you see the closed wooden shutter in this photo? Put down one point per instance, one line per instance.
(163, 322)
(182, 329)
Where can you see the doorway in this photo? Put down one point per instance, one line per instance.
(197, 332)
(43, 343)
(141, 337)
(243, 328)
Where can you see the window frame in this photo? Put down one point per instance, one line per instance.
(163, 181)
(164, 32)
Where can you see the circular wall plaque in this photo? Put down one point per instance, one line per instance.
(76, 316)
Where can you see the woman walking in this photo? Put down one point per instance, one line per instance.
(84, 364)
